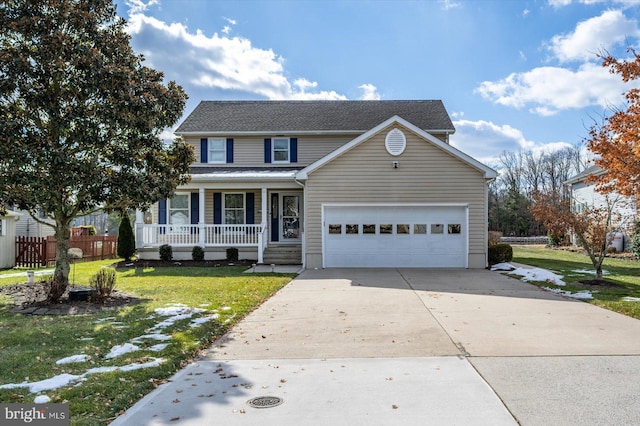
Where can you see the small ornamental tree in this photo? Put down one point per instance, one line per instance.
(616, 142)
(592, 227)
(81, 118)
(126, 239)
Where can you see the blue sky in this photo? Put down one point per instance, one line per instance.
(521, 74)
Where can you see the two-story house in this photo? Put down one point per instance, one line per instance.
(326, 184)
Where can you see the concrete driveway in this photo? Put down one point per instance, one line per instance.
(412, 346)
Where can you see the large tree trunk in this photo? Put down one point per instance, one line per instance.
(61, 274)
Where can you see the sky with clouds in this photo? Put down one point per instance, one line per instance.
(513, 74)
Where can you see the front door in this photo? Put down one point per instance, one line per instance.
(290, 218)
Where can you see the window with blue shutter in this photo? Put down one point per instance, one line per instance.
(267, 150)
(293, 147)
(204, 150)
(229, 150)
(162, 215)
(217, 208)
(250, 201)
(195, 211)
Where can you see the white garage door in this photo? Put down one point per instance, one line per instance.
(395, 236)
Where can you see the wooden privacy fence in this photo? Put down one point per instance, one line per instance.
(33, 252)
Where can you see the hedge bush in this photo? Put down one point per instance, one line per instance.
(197, 253)
(500, 253)
(232, 254)
(166, 252)
(126, 239)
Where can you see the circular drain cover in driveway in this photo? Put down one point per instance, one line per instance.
(265, 401)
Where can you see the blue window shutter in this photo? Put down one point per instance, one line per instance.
(293, 150)
(229, 150)
(162, 212)
(250, 201)
(162, 215)
(217, 208)
(195, 208)
(204, 150)
(267, 150)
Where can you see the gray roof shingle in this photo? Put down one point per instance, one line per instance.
(312, 116)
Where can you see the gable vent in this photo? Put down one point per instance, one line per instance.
(395, 142)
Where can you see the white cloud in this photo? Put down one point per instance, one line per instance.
(138, 6)
(369, 92)
(449, 4)
(217, 62)
(230, 21)
(594, 35)
(485, 141)
(548, 90)
(226, 29)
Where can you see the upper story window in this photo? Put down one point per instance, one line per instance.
(281, 150)
(217, 150)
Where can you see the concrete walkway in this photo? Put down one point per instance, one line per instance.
(354, 346)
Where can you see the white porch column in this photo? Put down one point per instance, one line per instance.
(263, 221)
(138, 229)
(201, 201)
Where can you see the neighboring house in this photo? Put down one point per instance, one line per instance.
(584, 195)
(325, 184)
(29, 227)
(8, 239)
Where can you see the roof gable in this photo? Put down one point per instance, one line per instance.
(488, 172)
(238, 117)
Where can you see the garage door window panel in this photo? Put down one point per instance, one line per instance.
(455, 228)
(368, 229)
(419, 229)
(402, 229)
(437, 228)
(353, 229)
(335, 229)
(386, 229)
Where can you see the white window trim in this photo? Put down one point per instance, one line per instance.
(273, 151)
(179, 229)
(224, 150)
(224, 207)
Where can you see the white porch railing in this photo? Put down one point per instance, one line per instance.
(214, 235)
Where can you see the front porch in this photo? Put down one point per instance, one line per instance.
(185, 221)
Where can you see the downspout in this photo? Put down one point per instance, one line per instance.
(304, 235)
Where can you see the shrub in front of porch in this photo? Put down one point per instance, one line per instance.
(166, 252)
(197, 254)
(232, 254)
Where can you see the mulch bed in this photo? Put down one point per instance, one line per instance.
(184, 263)
(602, 283)
(34, 295)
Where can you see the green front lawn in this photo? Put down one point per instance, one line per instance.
(576, 267)
(31, 345)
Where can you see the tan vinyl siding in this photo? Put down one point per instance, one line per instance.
(426, 174)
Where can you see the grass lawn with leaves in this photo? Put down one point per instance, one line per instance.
(31, 345)
(576, 267)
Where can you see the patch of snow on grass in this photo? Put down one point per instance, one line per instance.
(589, 271)
(630, 299)
(503, 267)
(539, 274)
(44, 385)
(119, 350)
(159, 347)
(72, 359)
(583, 294)
(198, 321)
(129, 367)
(42, 399)
(154, 336)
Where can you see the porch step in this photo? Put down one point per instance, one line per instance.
(283, 255)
